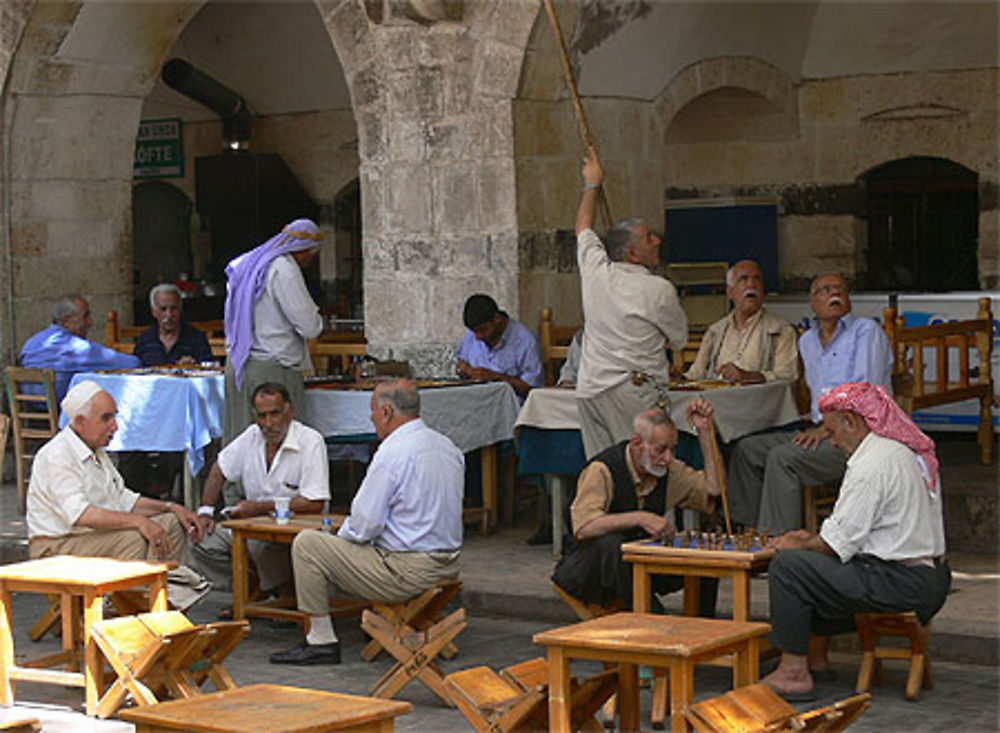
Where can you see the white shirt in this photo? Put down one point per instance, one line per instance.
(411, 498)
(66, 478)
(285, 316)
(884, 508)
(299, 467)
(630, 315)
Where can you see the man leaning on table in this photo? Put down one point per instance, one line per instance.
(768, 470)
(882, 549)
(78, 503)
(624, 495)
(631, 316)
(404, 532)
(750, 345)
(277, 457)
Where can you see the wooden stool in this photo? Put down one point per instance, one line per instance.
(415, 649)
(163, 651)
(759, 708)
(906, 625)
(23, 725)
(517, 698)
(416, 614)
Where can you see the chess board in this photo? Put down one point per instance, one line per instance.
(681, 548)
(361, 385)
(169, 370)
(701, 385)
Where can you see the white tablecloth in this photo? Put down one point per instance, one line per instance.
(164, 413)
(473, 415)
(739, 411)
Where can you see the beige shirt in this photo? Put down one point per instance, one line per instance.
(66, 478)
(884, 507)
(765, 344)
(630, 316)
(595, 488)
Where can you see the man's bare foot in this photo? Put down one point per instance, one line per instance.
(789, 682)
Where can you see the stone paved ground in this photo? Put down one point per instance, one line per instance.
(965, 697)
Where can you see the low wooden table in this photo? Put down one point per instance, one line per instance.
(268, 709)
(651, 558)
(630, 639)
(89, 578)
(267, 529)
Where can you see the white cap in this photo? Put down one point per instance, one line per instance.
(79, 397)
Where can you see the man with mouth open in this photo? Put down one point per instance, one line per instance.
(768, 471)
(750, 345)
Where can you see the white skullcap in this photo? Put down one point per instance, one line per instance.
(79, 397)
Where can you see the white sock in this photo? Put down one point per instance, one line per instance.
(321, 630)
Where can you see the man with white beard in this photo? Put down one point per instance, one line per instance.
(625, 494)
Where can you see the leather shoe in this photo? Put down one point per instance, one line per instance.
(307, 654)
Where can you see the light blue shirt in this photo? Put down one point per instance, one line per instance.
(66, 353)
(411, 498)
(858, 352)
(516, 355)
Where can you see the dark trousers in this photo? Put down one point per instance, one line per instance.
(593, 571)
(815, 593)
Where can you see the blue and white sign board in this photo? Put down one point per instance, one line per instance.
(920, 310)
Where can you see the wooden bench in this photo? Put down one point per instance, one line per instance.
(414, 633)
(910, 345)
(906, 625)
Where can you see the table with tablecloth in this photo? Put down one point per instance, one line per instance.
(548, 429)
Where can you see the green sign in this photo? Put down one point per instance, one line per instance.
(159, 149)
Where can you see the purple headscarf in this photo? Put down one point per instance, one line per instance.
(247, 279)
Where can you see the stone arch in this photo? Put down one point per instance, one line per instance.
(728, 72)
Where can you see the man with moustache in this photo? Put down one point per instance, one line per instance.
(750, 345)
(623, 495)
(170, 340)
(882, 549)
(768, 471)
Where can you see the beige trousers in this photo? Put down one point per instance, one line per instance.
(123, 544)
(322, 562)
(213, 558)
(606, 418)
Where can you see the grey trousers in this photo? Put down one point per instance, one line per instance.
(815, 593)
(238, 412)
(606, 418)
(123, 544)
(213, 558)
(323, 562)
(766, 476)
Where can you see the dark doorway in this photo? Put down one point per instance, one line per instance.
(161, 228)
(923, 226)
(350, 272)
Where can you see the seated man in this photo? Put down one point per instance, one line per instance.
(882, 549)
(78, 503)
(623, 495)
(768, 471)
(171, 340)
(279, 456)
(750, 345)
(497, 348)
(404, 532)
(64, 347)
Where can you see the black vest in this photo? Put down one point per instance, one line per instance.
(624, 498)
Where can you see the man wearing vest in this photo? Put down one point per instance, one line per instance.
(624, 494)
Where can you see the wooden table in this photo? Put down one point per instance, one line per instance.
(89, 578)
(631, 639)
(651, 558)
(267, 529)
(268, 709)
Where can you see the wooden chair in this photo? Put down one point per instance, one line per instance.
(817, 504)
(759, 709)
(158, 653)
(944, 341)
(122, 338)
(35, 416)
(415, 635)
(873, 625)
(517, 698)
(555, 340)
(701, 289)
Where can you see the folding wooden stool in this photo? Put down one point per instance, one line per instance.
(415, 652)
(163, 652)
(906, 625)
(416, 614)
(517, 699)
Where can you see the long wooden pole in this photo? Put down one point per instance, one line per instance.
(581, 118)
(720, 474)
